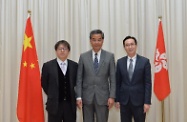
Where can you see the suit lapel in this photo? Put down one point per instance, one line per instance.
(136, 66)
(125, 64)
(102, 58)
(125, 68)
(90, 59)
(70, 70)
(55, 69)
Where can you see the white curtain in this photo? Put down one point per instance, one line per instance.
(72, 20)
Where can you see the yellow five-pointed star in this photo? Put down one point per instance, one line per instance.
(25, 64)
(27, 42)
(32, 66)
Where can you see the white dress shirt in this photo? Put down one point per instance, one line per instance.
(133, 62)
(63, 65)
(98, 55)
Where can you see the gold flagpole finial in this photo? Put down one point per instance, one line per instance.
(160, 17)
(29, 12)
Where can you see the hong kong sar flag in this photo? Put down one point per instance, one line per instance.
(161, 77)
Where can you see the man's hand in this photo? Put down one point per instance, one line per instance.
(110, 103)
(117, 105)
(79, 104)
(146, 108)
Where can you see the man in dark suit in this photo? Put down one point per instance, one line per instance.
(133, 83)
(96, 80)
(58, 82)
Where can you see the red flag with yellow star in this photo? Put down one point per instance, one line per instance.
(30, 101)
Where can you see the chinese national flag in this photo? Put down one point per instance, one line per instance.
(161, 78)
(30, 101)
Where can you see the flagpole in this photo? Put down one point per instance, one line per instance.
(162, 103)
(29, 100)
(163, 116)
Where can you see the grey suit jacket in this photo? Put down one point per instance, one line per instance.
(97, 86)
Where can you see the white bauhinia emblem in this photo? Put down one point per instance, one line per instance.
(160, 61)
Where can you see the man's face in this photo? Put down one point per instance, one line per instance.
(96, 42)
(130, 47)
(62, 52)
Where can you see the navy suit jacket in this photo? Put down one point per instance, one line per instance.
(139, 89)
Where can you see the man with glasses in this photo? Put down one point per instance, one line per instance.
(58, 81)
(133, 83)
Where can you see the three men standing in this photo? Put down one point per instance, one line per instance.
(97, 83)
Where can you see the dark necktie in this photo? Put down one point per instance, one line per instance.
(96, 64)
(130, 71)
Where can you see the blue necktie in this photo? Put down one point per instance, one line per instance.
(130, 71)
(96, 64)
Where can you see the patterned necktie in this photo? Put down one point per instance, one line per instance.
(96, 64)
(130, 71)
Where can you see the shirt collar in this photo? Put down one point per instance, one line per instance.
(98, 53)
(60, 61)
(133, 58)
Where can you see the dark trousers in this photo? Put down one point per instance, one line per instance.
(130, 111)
(64, 113)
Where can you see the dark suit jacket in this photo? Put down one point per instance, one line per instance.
(139, 89)
(50, 84)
